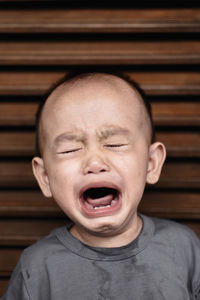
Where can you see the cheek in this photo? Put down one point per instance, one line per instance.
(61, 177)
(133, 171)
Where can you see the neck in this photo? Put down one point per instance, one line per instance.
(111, 240)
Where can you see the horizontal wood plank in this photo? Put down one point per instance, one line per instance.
(8, 260)
(171, 204)
(23, 203)
(27, 82)
(16, 174)
(26, 232)
(17, 113)
(176, 113)
(167, 204)
(178, 144)
(88, 52)
(174, 175)
(3, 285)
(99, 20)
(180, 175)
(153, 82)
(17, 143)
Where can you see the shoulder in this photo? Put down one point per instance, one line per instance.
(179, 238)
(39, 252)
(174, 230)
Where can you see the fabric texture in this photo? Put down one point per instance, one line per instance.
(162, 263)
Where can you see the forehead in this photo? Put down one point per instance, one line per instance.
(98, 97)
(81, 91)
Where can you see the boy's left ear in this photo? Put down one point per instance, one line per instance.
(157, 155)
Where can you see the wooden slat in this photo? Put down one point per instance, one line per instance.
(22, 203)
(167, 82)
(17, 113)
(3, 285)
(27, 83)
(16, 174)
(175, 174)
(181, 144)
(178, 144)
(165, 113)
(171, 204)
(17, 143)
(99, 52)
(8, 260)
(176, 113)
(168, 204)
(180, 174)
(99, 20)
(26, 232)
(153, 82)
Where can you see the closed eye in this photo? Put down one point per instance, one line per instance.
(70, 151)
(115, 145)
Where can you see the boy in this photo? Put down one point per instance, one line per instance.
(96, 152)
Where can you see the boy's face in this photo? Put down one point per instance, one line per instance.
(96, 155)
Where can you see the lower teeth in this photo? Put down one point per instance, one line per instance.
(98, 207)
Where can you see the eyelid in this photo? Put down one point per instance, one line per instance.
(70, 151)
(115, 145)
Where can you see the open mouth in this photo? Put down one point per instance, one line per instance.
(101, 200)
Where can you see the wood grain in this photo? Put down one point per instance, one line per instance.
(89, 52)
(99, 20)
(3, 285)
(40, 42)
(26, 232)
(27, 203)
(171, 204)
(8, 260)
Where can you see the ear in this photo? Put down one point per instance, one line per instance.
(157, 155)
(41, 176)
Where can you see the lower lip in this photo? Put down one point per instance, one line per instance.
(100, 212)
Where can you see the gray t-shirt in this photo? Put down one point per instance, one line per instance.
(162, 263)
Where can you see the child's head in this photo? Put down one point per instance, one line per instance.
(97, 152)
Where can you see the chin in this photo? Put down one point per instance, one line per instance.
(106, 225)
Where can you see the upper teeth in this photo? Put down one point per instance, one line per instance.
(98, 207)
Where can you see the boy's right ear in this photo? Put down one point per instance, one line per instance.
(41, 176)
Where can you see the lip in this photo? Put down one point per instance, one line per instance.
(104, 211)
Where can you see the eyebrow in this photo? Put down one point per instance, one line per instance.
(106, 133)
(68, 136)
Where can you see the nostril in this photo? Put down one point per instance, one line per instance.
(95, 167)
(96, 171)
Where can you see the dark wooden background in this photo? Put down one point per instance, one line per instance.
(159, 46)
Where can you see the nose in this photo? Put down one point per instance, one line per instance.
(95, 164)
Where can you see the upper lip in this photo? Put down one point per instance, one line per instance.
(98, 184)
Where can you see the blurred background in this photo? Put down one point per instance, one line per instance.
(157, 45)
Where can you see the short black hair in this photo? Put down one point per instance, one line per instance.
(80, 74)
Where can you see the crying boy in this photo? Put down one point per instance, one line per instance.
(96, 152)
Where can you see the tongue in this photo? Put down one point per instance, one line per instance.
(100, 201)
